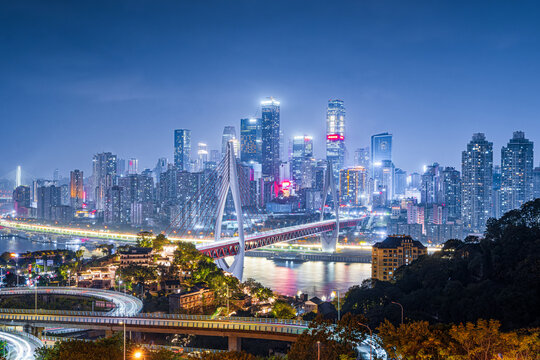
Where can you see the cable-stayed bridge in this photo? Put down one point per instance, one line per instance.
(227, 193)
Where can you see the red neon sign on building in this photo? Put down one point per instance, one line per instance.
(335, 137)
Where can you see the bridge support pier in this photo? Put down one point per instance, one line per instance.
(235, 343)
(329, 241)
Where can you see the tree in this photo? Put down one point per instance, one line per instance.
(336, 341)
(159, 242)
(283, 310)
(144, 239)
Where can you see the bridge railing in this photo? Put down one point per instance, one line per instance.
(156, 316)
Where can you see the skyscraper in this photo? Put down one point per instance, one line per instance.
(182, 149)
(362, 158)
(451, 192)
(381, 148)
(270, 126)
(431, 185)
(517, 172)
(477, 178)
(335, 134)
(536, 182)
(302, 154)
(161, 167)
(353, 186)
(250, 140)
(202, 156)
(133, 166)
(104, 172)
(76, 188)
(229, 134)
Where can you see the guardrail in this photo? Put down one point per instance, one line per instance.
(155, 322)
(156, 316)
(30, 337)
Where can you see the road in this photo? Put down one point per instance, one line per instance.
(21, 347)
(125, 305)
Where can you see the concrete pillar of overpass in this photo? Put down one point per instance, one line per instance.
(329, 241)
(235, 343)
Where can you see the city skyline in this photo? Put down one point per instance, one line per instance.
(431, 81)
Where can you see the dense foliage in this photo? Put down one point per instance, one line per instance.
(483, 340)
(493, 278)
(110, 348)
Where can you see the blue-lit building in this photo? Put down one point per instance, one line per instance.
(381, 148)
(251, 140)
(335, 135)
(182, 149)
(301, 161)
(477, 183)
(517, 172)
(270, 125)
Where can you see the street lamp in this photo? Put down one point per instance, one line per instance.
(138, 355)
(318, 350)
(401, 306)
(371, 338)
(123, 322)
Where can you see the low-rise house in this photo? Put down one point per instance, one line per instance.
(195, 298)
(136, 256)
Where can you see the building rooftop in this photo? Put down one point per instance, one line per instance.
(394, 241)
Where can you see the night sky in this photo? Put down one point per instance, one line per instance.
(80, 77)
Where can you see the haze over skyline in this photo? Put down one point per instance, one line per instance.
(85, 78)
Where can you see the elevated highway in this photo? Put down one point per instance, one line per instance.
(234, 328)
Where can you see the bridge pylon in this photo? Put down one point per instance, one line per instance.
(329, 239)
(231, 183)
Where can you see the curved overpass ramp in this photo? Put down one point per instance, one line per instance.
(124, 304)
(21, 346)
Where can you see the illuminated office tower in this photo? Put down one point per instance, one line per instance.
(202, 156)
(517, 172)
(477, 182)
(362, 158)
(76, 188)
(250, 140)
(182, 149)
(302, 155)
(381, 148)
(335, 135)
(104, 172)
(229, 134)
(536, 183)
(270, 127)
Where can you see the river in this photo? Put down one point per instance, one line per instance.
(317, 278)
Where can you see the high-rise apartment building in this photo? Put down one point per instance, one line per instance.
(270, 127)
(536, 183)
(335, 135)
(302, 155)
(182, 149)
(476, 183)
(21, 200)
(49, 197)
(104, 172)
(251, 140)
(431, 185)
(133, 166)
(516, 172)
(76, 189)
(451, 193)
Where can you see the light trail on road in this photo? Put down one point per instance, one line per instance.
(20, 347)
